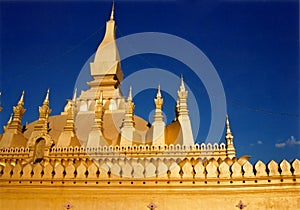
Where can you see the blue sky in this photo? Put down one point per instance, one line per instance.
(253, 45)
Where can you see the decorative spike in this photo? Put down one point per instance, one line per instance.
(182, 99)
(21, 101)
(46, 101)
(158, 95)
(130, 94)
(112, 11)
(158, 100)
(182, 87)
(229, 140)
(227, 125)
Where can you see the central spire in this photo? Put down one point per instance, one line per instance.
(112, 11)
(105, 69)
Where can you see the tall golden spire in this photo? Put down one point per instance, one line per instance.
(106, 68)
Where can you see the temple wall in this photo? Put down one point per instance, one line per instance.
(132, 182)
(138, 196)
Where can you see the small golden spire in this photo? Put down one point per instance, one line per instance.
(69, 126)
(182, 87)
(158, 95)
(46, 101)
(112, 11)
(130, 94)
(227, 125)
(230, 150)
(18, 112)
(21, 101)
(158, 100)
(228, 130)
(44, 112)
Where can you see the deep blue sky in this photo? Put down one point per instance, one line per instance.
(254, 46)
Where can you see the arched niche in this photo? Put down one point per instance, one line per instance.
(39, 149)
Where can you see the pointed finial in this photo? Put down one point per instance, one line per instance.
(158, 102)
(74, 95)
(130, 94)
(112, 11)
(182, 87)
(46, 101)
(227, 125)
(158, 95)
(21, 101)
